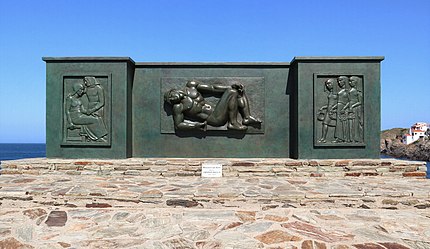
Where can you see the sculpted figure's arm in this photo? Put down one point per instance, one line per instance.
(208, 88)
(345, 107)
(215, 88)
(181, 123)
(355, 105)
(334, 107)
(322, 108)
(358, 103)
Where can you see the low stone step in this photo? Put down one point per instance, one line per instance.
(232, 167)
(105, 191)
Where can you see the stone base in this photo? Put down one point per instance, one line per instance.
(232, 167)
(58, 209)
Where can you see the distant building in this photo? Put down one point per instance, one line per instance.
(417, 131)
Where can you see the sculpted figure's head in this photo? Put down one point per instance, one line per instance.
(173, 96)
(191, 83)
(90, 81)
(353, 81)
(342, 80)
(329, 84)
(78, 89)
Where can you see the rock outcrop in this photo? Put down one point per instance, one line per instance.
(392, 145)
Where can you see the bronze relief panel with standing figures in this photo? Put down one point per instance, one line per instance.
(338, 110)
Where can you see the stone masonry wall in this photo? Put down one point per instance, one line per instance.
(170, 167)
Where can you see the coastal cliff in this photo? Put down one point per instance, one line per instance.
(392, 145)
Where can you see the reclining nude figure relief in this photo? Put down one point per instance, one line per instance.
(192, 112)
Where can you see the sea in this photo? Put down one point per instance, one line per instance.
(19, 151)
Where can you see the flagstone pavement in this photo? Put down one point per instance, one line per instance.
(131, 211)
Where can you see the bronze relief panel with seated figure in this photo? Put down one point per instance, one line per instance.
(86, 113)
(338, 110)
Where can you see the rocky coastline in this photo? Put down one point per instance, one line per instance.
(392, 145)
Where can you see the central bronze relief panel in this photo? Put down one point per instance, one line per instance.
(212, 103)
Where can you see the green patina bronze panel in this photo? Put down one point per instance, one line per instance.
(336, 101)
(88, 107)
(111, 107)
(154, 132)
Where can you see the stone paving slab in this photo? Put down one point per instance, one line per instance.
(131, 211)
(60, 227)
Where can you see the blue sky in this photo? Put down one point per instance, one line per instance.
(222, 30)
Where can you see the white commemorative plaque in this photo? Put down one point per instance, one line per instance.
(211, 169)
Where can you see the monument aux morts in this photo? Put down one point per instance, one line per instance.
(311, 108)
